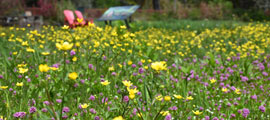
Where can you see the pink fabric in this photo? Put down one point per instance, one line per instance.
(69, 16)
(80, 15)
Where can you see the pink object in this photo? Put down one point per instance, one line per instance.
(80, 16)
(69, 16)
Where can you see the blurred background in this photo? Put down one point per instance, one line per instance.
(51, 11)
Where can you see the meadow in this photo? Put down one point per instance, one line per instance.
(105, 73)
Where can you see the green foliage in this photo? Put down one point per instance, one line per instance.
(61, 6)
(194, 13)
(105, 3)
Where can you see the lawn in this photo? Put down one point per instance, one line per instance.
(158, 70)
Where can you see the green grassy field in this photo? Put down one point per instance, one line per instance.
(173, 70)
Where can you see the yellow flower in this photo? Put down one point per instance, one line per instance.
(189, 98)
(197, 112)
(106, 82)
(23, 70)
(74, 59)
(45, 53)
(132, 91)
(43, 68)
(73, 76)
(84, 106)
(123, 27)
(237, 91)
(167, 98)
(127, 83)
(178, 96)
(111, 68)
(3, 34)
(53, 68)
(2, 118)
(80, 20)
(131, 96)
(143, 61)
(3, 87)
(25, 43)
(164, 113)
(118, 118)
(159, 97)
(65, 46)
(146, 67)
(213, 80)
(20, 84)
(224, 90)
(159, 66)
(21, 65)
(120, 65)
(65, 27)
(129, 62)
(15, 53)
(30, 50)
(139, 115)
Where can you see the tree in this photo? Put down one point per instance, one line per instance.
(263, 4)
(156, 4)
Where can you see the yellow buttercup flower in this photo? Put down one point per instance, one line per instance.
(237, 91)
(159, 97)
(23, 70)
(164, 113)
(74, 59)
(111, 68)
(54, 68)
(127, 83)
(131, 96)
(84, 106)
(197, 112)
(73, 76)
(45, 53)
(118, 118)
(20, 84)
(21, 65)
(43, 68)
(105, 83)
(167, 98)
(65, 27)
(225, 90)
(3, 87)
(159, 66)
(189, 98)
(123, 27)
(132, 91)
(178, 96)
(80, 20)
(213, 80)
(65, 46)
(139, 115)
(2, 118)
(30, 50)
(129, 62)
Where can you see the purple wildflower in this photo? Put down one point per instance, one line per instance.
(72, 53)
(19, 114)
(168, 117)
(262, 108)
(65, 109)
(125, 99)
(245, 112)
(32, 110)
